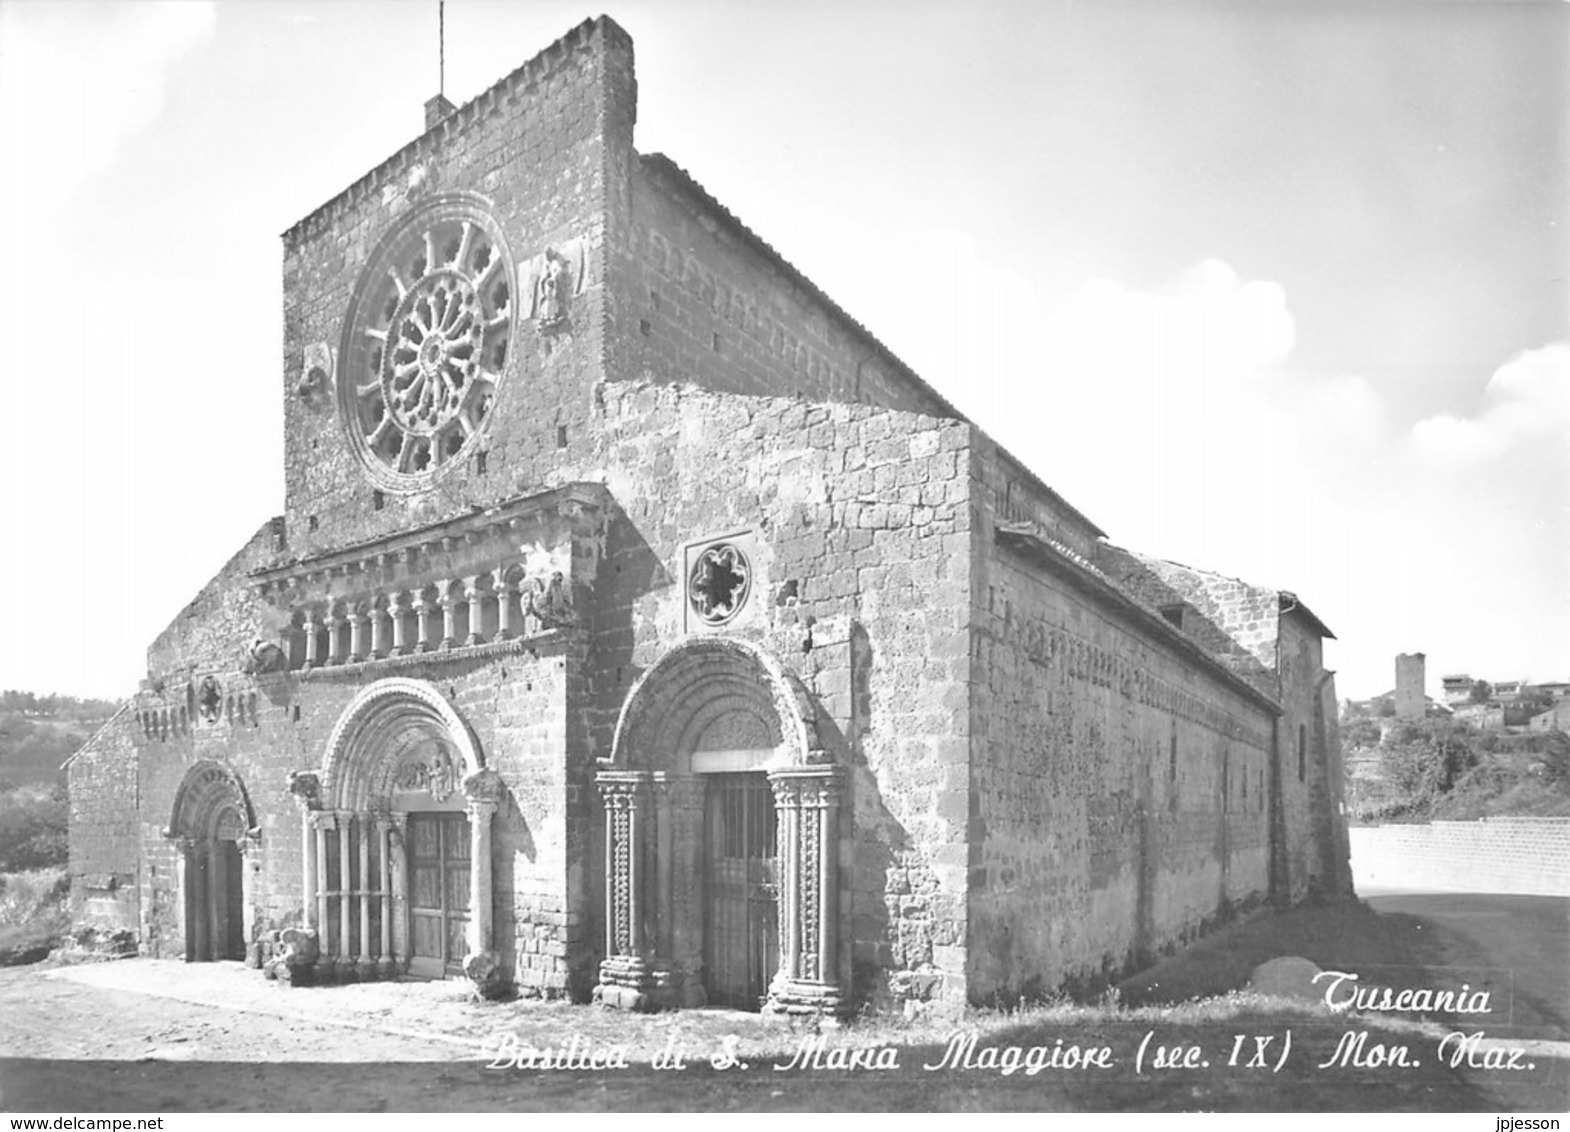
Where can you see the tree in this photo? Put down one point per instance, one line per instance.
(1482, 690)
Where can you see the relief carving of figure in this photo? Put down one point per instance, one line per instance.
(551, 602)
(429, 770)
(209, 699)
(554, 286)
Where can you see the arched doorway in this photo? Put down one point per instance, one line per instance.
(214, 829)
(722, 838)
(396, 841)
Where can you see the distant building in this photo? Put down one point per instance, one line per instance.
(1411, 676)
(1458, 689)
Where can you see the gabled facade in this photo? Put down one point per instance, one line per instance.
(639, 628)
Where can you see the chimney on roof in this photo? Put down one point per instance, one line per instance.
(436, 109)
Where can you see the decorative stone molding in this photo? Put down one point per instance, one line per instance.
(350, 771)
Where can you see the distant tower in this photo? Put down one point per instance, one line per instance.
(1410, 678)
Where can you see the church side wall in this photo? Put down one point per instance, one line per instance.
(857, 520)
(699, 303)
(1119, 793)
(104, 865)
(1312, 828)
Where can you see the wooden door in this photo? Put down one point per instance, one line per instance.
(438, 893)
(231, 910)
(742, 948)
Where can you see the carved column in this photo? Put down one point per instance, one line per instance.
(807, 802)
(503, 606)
(476, 599)
(185, 881)
(449, 604)
(346, 950)
(482, 791)
(305, 786)
(311, 629)
(323, 823)
(422, 611)
(395, 610)
(378, 630)
(625, 973)
(334, 635)
(384, 958)
(362, 825)
(399, 871)
(250, 847)
(356, 634)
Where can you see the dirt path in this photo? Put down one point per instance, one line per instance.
(149, 1035)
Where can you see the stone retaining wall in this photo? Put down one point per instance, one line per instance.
(1528, 856)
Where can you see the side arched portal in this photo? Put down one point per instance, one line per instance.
(722, 838)
(214, 827)
(397, 840)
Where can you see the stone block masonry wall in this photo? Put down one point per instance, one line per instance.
(1119, 789)
(859, 527)
(103, 835)
(536, 152)
(516, 708)
(704, 301)
(1522, 855)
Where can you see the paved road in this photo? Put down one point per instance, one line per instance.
(1527, 935)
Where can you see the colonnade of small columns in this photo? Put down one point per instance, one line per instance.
(497, 605)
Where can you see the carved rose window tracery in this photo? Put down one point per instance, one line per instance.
(426, 344)
(719, 583)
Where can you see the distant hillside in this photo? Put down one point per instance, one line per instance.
(38, 733)
(1437, 768)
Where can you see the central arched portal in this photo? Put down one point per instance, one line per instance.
(397, 841)
(722, 839)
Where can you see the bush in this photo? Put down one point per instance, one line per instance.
(33, 821)
(34, 914)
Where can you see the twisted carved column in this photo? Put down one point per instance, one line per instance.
(807, 801)
(624, 973)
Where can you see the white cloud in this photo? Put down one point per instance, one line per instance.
(1174, 417)
(78, 80)
(1526, 400)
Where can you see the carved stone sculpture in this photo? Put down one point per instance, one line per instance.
(265, 656)
(551, 602)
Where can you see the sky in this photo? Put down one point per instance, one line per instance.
(1276, 290)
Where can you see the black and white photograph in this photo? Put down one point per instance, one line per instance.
(691, 555)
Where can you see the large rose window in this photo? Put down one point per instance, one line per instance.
(426, 343)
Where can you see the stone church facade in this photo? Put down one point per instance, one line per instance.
(639, 628)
